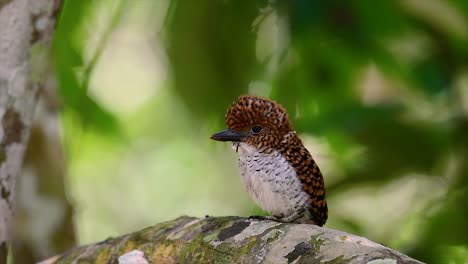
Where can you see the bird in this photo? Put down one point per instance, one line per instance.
(276, 169)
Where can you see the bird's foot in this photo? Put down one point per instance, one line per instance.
(293, 217)
(280, 218)
(257, 217)
(266, 217)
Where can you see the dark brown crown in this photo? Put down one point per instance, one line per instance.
(250, 110)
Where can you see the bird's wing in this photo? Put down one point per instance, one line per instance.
(311, 178)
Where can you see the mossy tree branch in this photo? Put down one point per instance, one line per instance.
(233, 240)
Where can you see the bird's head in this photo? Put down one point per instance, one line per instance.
(257, 121)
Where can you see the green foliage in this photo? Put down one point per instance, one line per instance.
(68, 59)
(202, 37)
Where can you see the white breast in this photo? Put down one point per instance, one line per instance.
(271, 181)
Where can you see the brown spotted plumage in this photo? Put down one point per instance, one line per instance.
(276, 168)
(310, 176)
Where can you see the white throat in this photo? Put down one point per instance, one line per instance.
(243, 148)
(270, 179)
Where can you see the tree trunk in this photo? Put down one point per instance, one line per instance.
(26, 28)
(233, 240)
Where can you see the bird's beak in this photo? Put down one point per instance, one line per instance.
(228, 135)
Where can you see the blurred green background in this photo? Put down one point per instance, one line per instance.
(378, 91)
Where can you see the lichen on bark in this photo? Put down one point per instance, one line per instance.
(18, 92)
(233, 240)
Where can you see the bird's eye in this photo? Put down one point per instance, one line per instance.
(256, 129)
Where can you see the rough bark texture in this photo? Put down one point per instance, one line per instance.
(26, 28)
(233, 240)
